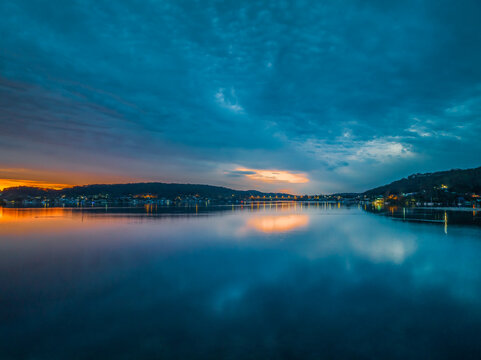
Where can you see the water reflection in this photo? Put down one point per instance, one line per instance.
(20, 214)
(440, 215)
(212, 283)
(278, 223)
(445, 222)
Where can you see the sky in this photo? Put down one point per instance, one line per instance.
(305, 97)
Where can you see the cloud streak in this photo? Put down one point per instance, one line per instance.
(273, 176)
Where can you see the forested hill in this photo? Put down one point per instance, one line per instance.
(456, 180)
(168, 191)
(161, 189)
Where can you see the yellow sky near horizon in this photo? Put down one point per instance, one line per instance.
(269, 176)
(52, 179)
(7, 183)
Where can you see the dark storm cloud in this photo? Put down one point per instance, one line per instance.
(354, 94)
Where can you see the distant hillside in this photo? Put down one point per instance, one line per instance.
(458, 181)
(168, 191)
(160, 189)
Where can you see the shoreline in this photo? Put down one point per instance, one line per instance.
(448, 208)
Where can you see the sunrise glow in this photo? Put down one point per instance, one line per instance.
(6, 183)
(274, 176)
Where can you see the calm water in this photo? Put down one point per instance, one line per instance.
(252, 283)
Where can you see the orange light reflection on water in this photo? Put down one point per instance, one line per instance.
(19, 221)
(16, 214)
(278, 223)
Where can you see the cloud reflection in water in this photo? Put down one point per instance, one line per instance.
(277, 223)
(219, 284)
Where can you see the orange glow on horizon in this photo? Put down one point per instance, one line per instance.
(279, 223)
(6, 183)
(59, 179)
(274, 176)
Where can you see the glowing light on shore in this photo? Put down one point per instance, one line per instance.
(274, 175)
(282, 223)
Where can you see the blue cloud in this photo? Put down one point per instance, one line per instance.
(352, 94)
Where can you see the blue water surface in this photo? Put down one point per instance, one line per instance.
(264, 281)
